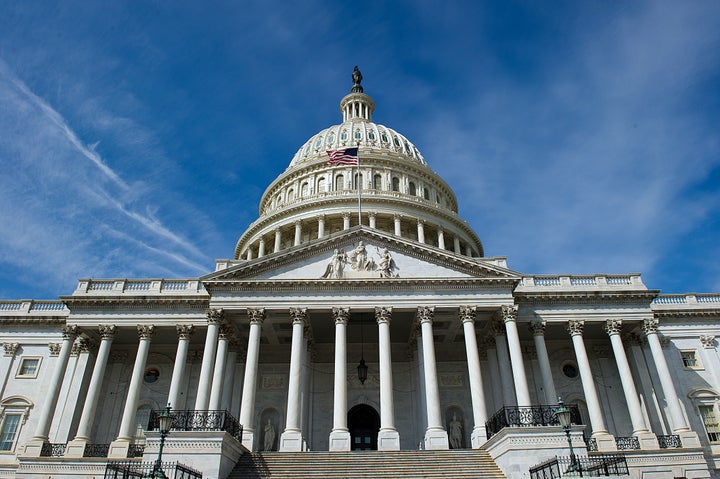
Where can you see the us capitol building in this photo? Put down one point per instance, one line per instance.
(380, 331)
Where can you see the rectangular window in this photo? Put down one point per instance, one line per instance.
(689, 359)
(9, 431)
(28, 367)
(710, 421)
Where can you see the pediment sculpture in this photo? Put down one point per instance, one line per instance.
(360, 261)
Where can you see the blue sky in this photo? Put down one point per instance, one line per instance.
(136, 138)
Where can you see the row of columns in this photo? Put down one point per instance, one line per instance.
(372, 218)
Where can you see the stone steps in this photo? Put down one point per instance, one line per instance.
(454, 464)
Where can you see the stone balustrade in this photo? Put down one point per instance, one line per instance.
(582, 281)
(145, 286)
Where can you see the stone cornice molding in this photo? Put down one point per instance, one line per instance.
(687, 314)
(383, 314)
(425, 314)
(585, 297)
(32, 319)
(467, 314)
(341, 315)
(138, 303)
(299, 316)
(256, 315)
(575, 327)
(613, 326)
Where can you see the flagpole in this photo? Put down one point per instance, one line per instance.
(359, 187)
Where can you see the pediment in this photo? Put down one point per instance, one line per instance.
(362, 254)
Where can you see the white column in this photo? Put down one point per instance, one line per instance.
(421, 230)
(388, 437)
(214, 317)
(76, 447)
(537, 328)
(249, 253)
(184, 331)
(6, 364)
(229, 380)
(640, 430)
(224, 334)
(679, 426)
(503, 359)
(321, 226)
(298, 233)
(373, 219)
(604, 440)
(261, 247)
(435, 436)
(52, 393)
(346, 221)
(495, 381)
(468, 250)
(119, 447)
(340, 435)
(278, 240)
(247, 406)
(478, 437)
(509, 316)
(441, 238)
(398, 229)
(291, 439)
(456, 245)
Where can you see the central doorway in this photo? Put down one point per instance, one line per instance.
(364, 425)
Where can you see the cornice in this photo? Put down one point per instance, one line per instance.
(33, 319)
(687, 313)
(80, 303)
(584, 297)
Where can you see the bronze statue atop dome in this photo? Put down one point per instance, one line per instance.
(357, 79)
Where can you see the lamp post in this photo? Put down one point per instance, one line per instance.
(563, 414)
(362, 368)
(165, 420)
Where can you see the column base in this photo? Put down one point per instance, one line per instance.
(689, 439)
(339, 440)
(604, 441)
(291, 441)
(76, 448)
(648, 440)
(33, 448)
(388, 440)
(119, 449)
(248, 439)
(478, 437)
(436, 439)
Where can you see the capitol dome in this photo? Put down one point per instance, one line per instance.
(399, 193)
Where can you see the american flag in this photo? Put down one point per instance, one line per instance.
(348, 156)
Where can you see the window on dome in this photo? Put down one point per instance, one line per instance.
(321, 185)
(396, 141)
(411, 189)
(344, 135)
(407, 147)
(291, 194)
(384, 138)
(426, 193)
(371, 135)
(439, 199)
(330, 139)
(358, 181)
(304, 189)
(339, 183)
(358, 134)
(396, 183)
(318, 143)
(377, 182)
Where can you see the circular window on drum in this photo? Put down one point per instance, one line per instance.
(569, 370)
(151, 375)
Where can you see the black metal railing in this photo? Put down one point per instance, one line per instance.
(627, 443)
(96, 450)
(526, 416)
(133, 470)
(590, 443)
(53, 449)
(670, 441)
(136, 450)
(585, 466)
(192, 420)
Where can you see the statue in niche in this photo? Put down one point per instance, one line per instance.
(387, 265)
(455, 433)
(359, 260)
(269, 435)
(334, 269)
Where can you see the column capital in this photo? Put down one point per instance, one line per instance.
(346, 215)
(341, 315)
(256, 315)
(537, 327)
(420, 222)
(372, 214)
(397, 216)
(468, 314)
(10, 348)
(509, 312)
(81, 345)
(426, 314)
(575, 327)
(383, 314)
(650, 326)
(54, 348)
(297, 222)
(107, 331)
(707, 341)
(145, 331)
(70, 332)
(225, 332)
(184, 331)
(321, 217)
(497, 329)
(299, 315)
(613, 326)
(214, 315)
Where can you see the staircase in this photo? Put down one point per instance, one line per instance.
(466, 463)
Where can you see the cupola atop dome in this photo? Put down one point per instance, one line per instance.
(357, 105)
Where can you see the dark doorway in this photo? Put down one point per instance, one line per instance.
(364, 425)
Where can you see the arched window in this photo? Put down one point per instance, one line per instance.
(14, 413)
(304, 189)
(426, 193)
(321, 185)
(339, 183)
(411, 189)
(291, 194)
(377, 182)
(396, 183)
(358, 181)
